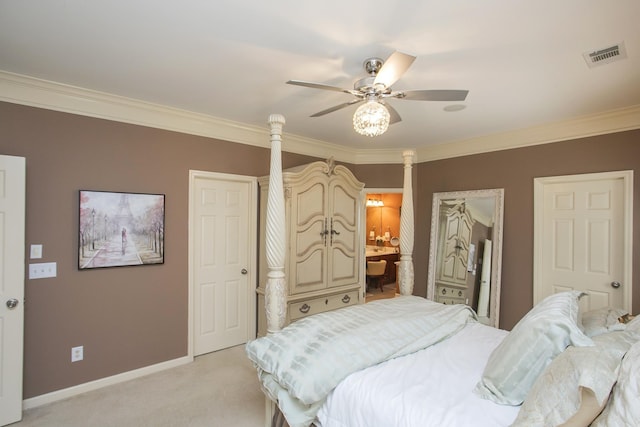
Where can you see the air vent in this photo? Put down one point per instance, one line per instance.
(605, 55)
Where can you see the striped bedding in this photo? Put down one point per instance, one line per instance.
(299, 366)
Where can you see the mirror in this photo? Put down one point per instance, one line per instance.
(466, 251)
(382, 219)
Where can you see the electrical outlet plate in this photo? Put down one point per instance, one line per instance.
(77, 353)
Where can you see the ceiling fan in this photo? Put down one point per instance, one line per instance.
(376, 115)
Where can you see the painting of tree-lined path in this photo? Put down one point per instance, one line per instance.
(119, 229)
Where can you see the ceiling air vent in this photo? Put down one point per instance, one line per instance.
(606, 55)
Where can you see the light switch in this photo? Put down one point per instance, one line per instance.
(42, 270)
(36, 251)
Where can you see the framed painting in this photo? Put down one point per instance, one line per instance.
(120, 229)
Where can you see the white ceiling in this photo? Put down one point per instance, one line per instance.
(522, 61)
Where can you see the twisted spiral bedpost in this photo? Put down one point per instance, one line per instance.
(275, 289)
(407, 228)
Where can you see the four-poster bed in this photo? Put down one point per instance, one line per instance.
(275, 290)
(322, 212)
(414, 362)
(275, 247)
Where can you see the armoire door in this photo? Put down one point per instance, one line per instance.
(308, 240)
(457, 236)
(343, 261)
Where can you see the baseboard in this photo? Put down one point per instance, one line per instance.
(57, 395)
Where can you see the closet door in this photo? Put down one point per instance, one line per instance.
(343, 262)
(308, 252)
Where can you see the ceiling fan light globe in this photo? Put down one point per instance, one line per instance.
(371, 119)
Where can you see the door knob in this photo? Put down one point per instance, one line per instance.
(244, 271)
(615, 285)
(12, 303)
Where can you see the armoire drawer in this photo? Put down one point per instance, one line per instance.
(300, 309)
(450, 295)
(450, 301)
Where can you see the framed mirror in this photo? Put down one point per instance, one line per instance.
(465, 255)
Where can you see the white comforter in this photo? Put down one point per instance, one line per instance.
(432, 387)
(300, 365)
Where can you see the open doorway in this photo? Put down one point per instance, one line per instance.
(383, 207)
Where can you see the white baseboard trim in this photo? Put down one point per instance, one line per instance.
(57, 395)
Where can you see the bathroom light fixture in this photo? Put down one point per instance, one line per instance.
(371, 118)
(375, 203)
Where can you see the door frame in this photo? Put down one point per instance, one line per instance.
(363, 221)
(538, 214)
(253, 245)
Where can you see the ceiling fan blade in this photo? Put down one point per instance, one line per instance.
(335, 108)
(433, 95)
(318, 86)
(393, 113)
(393, 68)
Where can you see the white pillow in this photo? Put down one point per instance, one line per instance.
(543, 333)
(602, 320)
(634, 324)
(577, 384)
(623, 408)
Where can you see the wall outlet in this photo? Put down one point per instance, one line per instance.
(77, 353)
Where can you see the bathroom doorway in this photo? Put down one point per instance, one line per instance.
(382, 231)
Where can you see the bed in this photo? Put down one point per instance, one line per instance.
(431, 387)
(409, 361)
(373, 364)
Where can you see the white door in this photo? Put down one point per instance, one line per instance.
(582, 231)
(223, 266)
(12, 214)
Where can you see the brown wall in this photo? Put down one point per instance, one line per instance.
(126, 317)
(514, 170)
(131, 317)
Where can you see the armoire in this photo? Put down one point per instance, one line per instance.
(323, 220)
(455, 239)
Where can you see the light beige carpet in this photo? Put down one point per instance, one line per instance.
(219, 389)
(389, 291)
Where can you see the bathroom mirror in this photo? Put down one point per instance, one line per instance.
(465, 254)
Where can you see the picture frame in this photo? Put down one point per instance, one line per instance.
(117, 229)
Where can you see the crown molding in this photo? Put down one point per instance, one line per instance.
(25, 90)
(619, 120)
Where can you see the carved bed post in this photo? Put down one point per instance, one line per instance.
(275, 289)
(407, 228)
